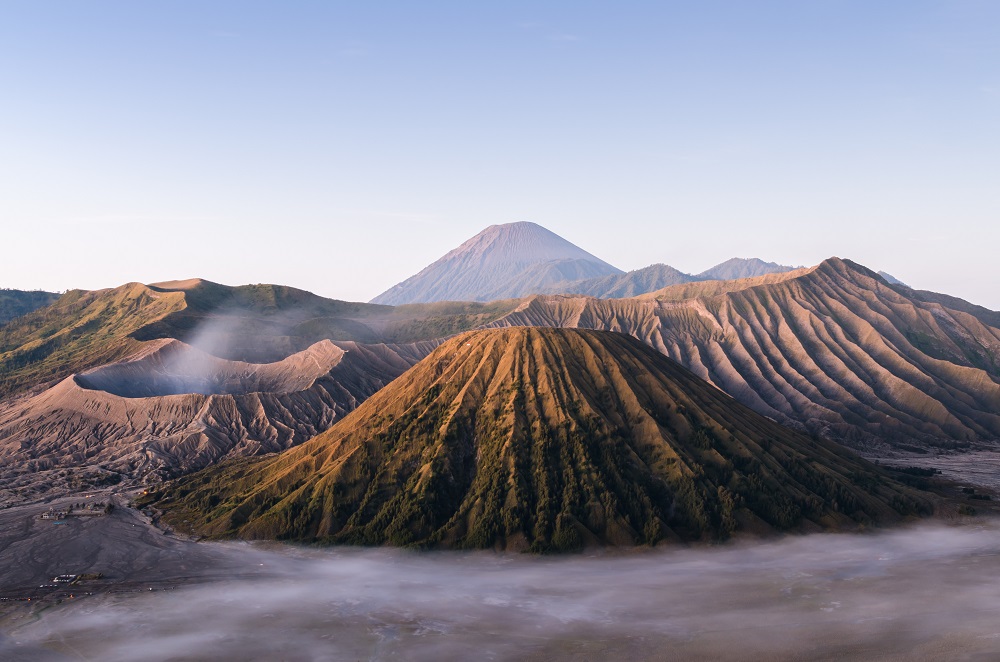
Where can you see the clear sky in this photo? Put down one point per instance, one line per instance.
(341, 146)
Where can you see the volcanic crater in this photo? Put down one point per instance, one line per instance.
(175, 368)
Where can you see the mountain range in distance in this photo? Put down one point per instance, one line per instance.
(15, 303)
(834, 349)
(514, 260)
(141, 382)
(144, 382)
(541, 440)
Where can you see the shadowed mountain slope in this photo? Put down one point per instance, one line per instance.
(501, 262)
(648, 279)
(15, 303)
(892, 280)
(739, 267)
(833, 348)
(984, 315)
(545, 439)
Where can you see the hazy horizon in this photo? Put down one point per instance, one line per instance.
(341, 148)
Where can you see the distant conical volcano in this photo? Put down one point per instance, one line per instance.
(501, 262)
(542, 439)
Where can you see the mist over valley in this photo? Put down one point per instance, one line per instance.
(922, 593)
(500, 331)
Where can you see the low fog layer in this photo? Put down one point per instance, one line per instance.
(925, 593)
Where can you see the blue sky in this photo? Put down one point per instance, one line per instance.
(340, 147)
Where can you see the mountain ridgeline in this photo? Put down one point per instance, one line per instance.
(252, 323)
(172, 409)
(834, 349)
(737, 268)
(546, 440)
(501, 262)
(520, 259)
(648, 279)
(157, 380)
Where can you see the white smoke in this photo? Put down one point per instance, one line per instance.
(931, 592)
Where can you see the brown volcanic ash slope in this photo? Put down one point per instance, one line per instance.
(544, 439)
(174, 409)
(833, 348)
(98, 378)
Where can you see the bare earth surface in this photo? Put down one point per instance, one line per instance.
(977, 468)
(122, 545)
(173, 408)
(924, 593)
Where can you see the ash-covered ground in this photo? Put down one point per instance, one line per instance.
(976, 467)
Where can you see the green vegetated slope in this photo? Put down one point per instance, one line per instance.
(80, 330)
(15, 303)
(260, 322)
(541, 439)
(256, 323)
(833, 348)
(269, 322)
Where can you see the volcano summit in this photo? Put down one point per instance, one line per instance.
(501, 262)
(541, 439)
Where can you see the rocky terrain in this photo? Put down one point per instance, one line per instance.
(834, 349)
(173, 409)
(144, 381)
(541, 439)
(79, 330)
(252, 323)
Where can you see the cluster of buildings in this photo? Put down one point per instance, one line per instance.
(78, 510)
